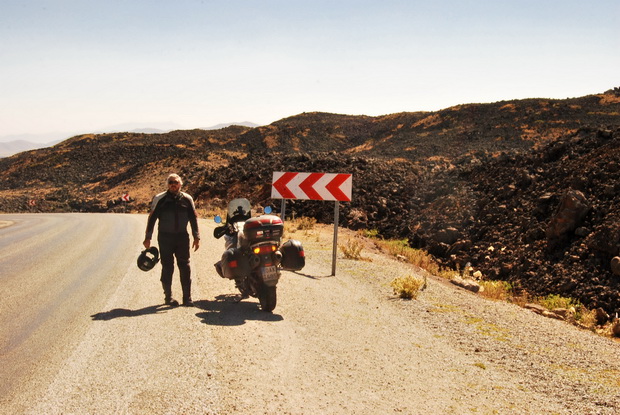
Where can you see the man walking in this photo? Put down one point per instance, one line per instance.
(174, 209)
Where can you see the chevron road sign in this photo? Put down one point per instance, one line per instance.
(312, 186)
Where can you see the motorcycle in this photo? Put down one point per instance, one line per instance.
(253, 255)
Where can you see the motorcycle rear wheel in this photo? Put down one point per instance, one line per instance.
(267, 298)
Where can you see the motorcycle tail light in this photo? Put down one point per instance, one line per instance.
(264, 249)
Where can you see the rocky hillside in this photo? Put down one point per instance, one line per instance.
(525, 191)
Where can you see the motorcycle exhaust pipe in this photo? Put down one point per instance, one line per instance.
(254, 261)
(278, 257)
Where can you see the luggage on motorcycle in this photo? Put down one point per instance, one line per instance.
(293, 256)
(234, 264)
(263, 228)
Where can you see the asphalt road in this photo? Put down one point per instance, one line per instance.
(83, 330)
(56, 270)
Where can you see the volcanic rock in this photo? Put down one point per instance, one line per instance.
(615, 265)
(569, 214)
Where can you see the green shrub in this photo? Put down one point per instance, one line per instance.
(557, 301)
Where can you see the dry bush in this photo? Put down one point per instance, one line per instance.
(408, 287)
(417, 257)
(305, 223)
(368, 233)
(299, 224)
(586, 317)
(352, 249)
(496, 290)
(210, 212)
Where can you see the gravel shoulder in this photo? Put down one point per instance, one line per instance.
(334, 345)
(345, 344)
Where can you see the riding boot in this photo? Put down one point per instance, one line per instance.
(187, 293)
(168, 300)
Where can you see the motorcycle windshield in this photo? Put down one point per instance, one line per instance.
(239, 210)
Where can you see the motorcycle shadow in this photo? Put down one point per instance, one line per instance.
(226, 311)
(124, 312)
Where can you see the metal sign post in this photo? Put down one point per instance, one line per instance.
(283, 210)
(335, 251)
(314, 186)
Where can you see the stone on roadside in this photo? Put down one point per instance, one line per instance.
(538, 309)
(468, 284)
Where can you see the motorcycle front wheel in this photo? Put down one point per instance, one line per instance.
(267, 298)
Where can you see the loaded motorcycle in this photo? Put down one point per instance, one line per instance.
(254, 256)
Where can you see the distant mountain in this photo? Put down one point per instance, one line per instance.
(243, 124)
(13, 144)
(17, 146)
(134, 127)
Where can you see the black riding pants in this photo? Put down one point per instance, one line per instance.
(173, 245)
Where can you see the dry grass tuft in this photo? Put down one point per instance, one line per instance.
(408, 287)
(353, 249)
(305, 224)
(417, 257)
(496, 290)
(300, 224)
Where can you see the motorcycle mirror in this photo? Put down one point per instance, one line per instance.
(218, 219)
(219, 231)
(268, 210)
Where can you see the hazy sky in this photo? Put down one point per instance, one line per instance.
(84, 66)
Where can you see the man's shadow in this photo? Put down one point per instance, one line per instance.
(123, 312)
(227, 310)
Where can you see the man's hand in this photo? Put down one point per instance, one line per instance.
(147, 243)
(196, 244)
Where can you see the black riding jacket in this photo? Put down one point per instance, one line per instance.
(173, 212)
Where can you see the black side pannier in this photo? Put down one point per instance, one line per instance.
(293, 256)
(234, 264)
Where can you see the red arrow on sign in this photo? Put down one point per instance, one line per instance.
(280, 185)
(307, 184)
(334, 187)
(313, 186)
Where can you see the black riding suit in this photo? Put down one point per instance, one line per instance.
(174, 211)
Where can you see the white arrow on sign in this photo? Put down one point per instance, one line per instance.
(312, 186)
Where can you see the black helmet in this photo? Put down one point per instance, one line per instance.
(146, 262)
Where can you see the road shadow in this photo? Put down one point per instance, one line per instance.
(226, 310)
(124, 312)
